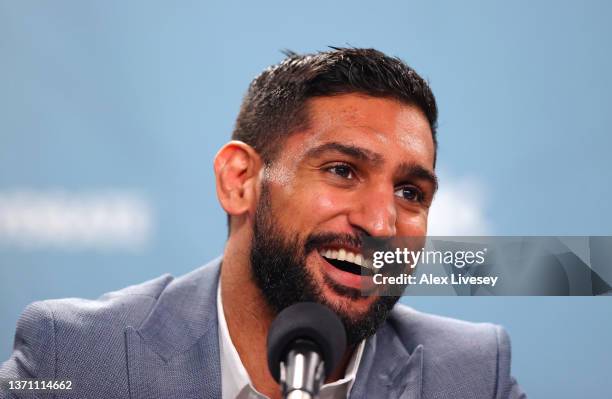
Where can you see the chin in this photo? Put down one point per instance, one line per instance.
(350, 306)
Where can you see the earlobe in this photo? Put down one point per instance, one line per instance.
(237, 166)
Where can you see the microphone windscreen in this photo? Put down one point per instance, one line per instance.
(308, 321)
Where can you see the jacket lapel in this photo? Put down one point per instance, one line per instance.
(388, 369)
(175, 353)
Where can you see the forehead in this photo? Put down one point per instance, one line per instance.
(398, 131)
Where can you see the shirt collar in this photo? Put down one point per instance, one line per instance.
(235, 379)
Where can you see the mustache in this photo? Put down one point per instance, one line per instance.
(316, 241)
(364, 243)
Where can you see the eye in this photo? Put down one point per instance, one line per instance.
(342, 170)
(409, 193)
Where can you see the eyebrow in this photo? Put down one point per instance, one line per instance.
(360, 153)
(410, 170)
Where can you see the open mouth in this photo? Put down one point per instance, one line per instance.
(347, 261)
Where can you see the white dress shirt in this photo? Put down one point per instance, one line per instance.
(236, 384)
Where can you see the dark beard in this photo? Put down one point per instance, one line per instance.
(279, 269)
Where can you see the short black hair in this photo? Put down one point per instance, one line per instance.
(275, 103)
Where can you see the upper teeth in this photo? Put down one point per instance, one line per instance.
(343, 254)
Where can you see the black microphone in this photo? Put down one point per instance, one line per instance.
(306, 342)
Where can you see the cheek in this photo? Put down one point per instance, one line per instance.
(326, 202)
(303, 205)
(316, 206)
(413, 225)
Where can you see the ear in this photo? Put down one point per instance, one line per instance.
(237, 170)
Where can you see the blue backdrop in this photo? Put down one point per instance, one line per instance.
(131, 100)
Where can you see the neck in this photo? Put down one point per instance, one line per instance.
(248, 318)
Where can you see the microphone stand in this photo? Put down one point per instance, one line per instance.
(302, 372)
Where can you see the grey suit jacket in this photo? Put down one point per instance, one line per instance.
(159, 340)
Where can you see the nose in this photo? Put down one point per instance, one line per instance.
(375, 212)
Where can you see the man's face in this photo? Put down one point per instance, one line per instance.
(363, 167)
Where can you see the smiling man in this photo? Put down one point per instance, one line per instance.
(329, 149)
